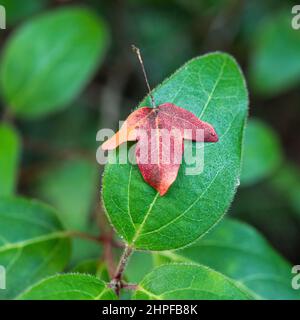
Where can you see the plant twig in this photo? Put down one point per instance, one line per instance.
(84, 235)
(114, 243)
(116, 282)
(138, 53)
(129, 286)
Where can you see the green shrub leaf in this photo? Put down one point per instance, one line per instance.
(69, 287)
(262, 153)
(9, 159)
(275, 64)
(188, 281)
(241, 253)
(32, 244)
(43, 71)
(213, 88)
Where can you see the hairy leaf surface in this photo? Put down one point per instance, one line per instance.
(241, 253)
(32, 244)
(69, 287)
(188, 281)
(212, 88)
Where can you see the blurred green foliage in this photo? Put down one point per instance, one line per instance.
(66, 71)
(36, 80)
(17, 10)
(71, 188)
(262, 152)
(275, 65)
(287, 182)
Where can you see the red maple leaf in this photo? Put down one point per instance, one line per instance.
(159, 133)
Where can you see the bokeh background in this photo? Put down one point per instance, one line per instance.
(57, 91)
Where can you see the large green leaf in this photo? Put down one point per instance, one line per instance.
(188, 281)
(275, 64)
(213, 88)
(69, 287)
(9, 159)
(262, 152)
(49, 60)
(241, 253)
(32, 244)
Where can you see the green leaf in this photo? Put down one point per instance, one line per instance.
(262, 152)
(57, 65)
(69, 287)
(275, 64)
(32, 244)
(213, 88)
(9, 159)
(241, 253)
(188, 281)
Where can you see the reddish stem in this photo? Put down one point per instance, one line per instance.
(116, 282)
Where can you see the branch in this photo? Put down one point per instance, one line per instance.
(83, 235)
(116, 282)
(129, 286)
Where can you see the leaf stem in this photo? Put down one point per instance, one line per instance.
(116, 282)
(138, 53)
(130, 286)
